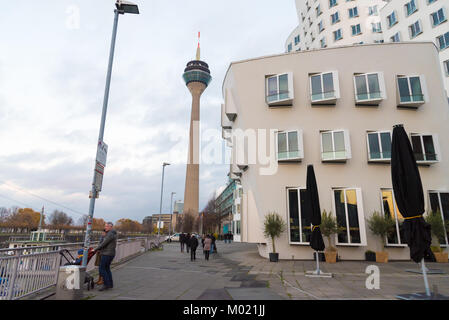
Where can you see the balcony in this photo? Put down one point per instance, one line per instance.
(335, 156)
(369, 98)
(281, 98)
(414, 100)
(426, 158)
(328, 97)
(382, 157)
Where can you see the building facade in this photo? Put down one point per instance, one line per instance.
(419, 20)
(332, 109)
(224, 206)
(329, 23)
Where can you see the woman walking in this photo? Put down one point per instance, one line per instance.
(207, 247)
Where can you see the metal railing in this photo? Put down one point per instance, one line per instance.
(29, 270)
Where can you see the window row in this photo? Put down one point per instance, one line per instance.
(436, 18)
(369, 89)
(347, 207)
(336, 146)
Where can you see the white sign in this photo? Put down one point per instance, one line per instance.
(99, 171)
(102, 152)
(160, 225)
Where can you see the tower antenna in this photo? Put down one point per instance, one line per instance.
(198, 56)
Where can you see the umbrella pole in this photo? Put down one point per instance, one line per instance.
(317, 263)
(426, 283)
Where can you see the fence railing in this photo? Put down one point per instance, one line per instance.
(29, 270)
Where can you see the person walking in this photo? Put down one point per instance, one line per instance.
(182, 241)
(98, 259)
(193, 243)
(187, 242)
(213, 247)
(207, 246)
(107, 250)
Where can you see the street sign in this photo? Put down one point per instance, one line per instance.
(102, 152)
(99, 171)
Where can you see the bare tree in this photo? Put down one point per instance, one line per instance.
(188, 221)
(211, 217)
(82, 221)
(60, 219)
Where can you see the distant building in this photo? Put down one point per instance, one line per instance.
(178, 206)
(224, 206)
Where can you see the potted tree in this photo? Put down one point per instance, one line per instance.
(381, 225)
(438, 232)
(370, 255)
(274, 225)
(328, 228)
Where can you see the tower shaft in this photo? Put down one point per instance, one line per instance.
(191, 193)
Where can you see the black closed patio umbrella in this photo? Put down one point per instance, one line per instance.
(312, 205)
(408, 192)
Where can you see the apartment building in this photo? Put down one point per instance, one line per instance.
(334, 109)
(328, 23)
(419, 20)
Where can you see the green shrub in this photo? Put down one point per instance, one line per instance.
(274, 225)
(381, 225)
(437, 227)
(329, 227)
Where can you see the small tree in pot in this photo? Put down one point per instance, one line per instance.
(274, 225)
(381, 225)
(328, 228)
(438, 233)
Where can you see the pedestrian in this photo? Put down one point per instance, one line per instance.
(207, 246)
(213, 247)
(182, 241)
(107, 251)
(231, 236)
(98, 259)
(193, 243)
(187, 242)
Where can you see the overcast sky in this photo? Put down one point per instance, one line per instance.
(53, 61)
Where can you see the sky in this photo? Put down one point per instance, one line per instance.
(53, 63)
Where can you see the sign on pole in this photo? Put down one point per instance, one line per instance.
(99, 171)
(102, 152)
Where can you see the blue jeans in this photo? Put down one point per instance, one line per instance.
(105, 270)
(211, 248)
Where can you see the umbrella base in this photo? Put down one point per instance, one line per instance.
(318, 274)
(421, 296)
(428, 271)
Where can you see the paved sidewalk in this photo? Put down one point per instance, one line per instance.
(238, 272)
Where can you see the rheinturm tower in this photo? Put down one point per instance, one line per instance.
(197, 77)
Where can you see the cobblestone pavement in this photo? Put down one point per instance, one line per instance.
(238, 272)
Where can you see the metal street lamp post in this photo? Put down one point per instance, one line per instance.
(160, 207)
(122, 7)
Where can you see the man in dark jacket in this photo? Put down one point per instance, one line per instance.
(107, 250)
(182, 240)
(193, 243)
(188, 242)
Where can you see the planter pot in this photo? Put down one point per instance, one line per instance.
(321, 256)
(382, 257)
(370, 256)
(274, 257)
(441, 257)
(331, 256)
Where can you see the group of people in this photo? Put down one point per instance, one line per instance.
(191, 243)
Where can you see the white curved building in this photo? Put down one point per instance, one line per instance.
(329, 23)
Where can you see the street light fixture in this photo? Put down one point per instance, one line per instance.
(170, 230)
(122, 8)
(160, 207)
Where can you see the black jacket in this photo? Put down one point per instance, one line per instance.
(107, 246)
(193, 242)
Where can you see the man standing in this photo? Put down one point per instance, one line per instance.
(182, 241)
(193, 243)
(107, 250)
(188, 242)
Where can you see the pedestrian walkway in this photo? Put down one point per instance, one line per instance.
(238, 272)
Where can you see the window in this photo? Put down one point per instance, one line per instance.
(320, 26)
(323, 43)
(425, 148)
(324, 87)
(410, 90)
(350, 217)
(289, 145)
(332, 3)
(369, 88)
(318, 11)
(446, 67)
(356, 30)
(372, 11)
(443, 41)
(337, 35)
(410, 7)
(379, 146)
(438, 17)
(335, 145)
(396, 37)
(279, 89)
(376, 26)
(415, 29)
(297, 39)
(299, 224)
(439, 201)
(392, 19)
(289, 48)
(431, 1)
(335, 17)
(353, 12)
(390, 209)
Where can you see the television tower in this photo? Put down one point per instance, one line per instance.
(197, 77)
